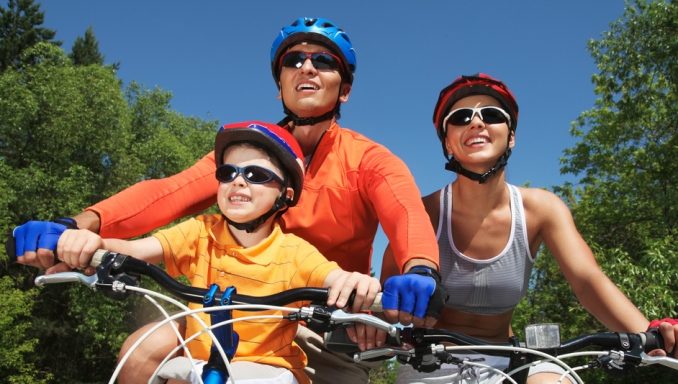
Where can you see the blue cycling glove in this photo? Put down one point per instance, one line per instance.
(37, 234)
(418, 291)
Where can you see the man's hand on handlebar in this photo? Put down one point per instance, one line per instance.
(34, 243)
(367, 337)
(416, 297)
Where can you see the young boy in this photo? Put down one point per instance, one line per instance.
(261, 173)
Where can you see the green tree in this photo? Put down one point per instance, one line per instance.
(70, 137)
(628, 141)
(20, 29)
(386, 374)
(85, 51)
(624, 203)
(14, 326)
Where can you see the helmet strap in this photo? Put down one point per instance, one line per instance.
(299, 121)
(250, 226)
(454, 166)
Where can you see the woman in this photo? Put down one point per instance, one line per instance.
(489, 233)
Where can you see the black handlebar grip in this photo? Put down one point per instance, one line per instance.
(338, 341)
(652, 340)
(349, 303)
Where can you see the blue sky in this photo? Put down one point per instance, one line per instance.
(214, 58)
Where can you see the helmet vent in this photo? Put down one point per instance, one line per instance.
(309, 22)
(328, 25)
(296, 22)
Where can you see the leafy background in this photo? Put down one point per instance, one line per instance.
(72, 133)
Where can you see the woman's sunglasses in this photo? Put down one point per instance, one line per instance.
(320, 60)
(489, 115)
(252, 174)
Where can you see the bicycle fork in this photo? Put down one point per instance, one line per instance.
(215, 371)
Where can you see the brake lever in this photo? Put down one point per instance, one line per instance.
(340, 316)
(662, 360)
(67, 277)
(379, 352)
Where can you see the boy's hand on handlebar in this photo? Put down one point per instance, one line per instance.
(416, 297)
(76, 247)
(342, 284)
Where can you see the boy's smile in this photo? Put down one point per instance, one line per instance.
(240, 200)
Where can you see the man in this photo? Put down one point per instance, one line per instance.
(351, 185)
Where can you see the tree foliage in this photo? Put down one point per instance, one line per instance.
(624, 203)
(85, 51)
(20, 29)
(70, 137)
(386, 374)
(628, 141)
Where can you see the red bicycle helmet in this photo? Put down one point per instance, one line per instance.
(478, 84)
(464, 86)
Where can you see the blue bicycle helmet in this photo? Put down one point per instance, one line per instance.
(317, 30)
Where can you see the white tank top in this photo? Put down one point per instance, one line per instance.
(485, 287)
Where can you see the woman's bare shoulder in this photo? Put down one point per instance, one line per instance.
(542, 202)
(432, 199)
(432, 206)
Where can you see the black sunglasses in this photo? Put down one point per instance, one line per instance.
(252, 174)
(320, 60)
(489, 115)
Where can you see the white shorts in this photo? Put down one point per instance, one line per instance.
(470, 374)
(244, 372)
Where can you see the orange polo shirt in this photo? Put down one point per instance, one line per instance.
(352, 184)
(203, 250)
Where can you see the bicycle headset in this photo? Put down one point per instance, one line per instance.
(279, 142)
(316, 31)
(464, 86)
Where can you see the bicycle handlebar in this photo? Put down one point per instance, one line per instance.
(109, 263)
(116, 271)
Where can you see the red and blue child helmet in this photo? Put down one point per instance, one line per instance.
(274, 139)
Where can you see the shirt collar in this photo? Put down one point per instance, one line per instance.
(260, 254)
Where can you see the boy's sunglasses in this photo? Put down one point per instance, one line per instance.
(252, 174)
(320, 60)
(489, 115)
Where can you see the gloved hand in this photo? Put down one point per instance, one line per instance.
(418, 292)
(654, 324)
(34, 235)
(669, 330)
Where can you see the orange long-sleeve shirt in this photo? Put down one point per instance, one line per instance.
(351, 185)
